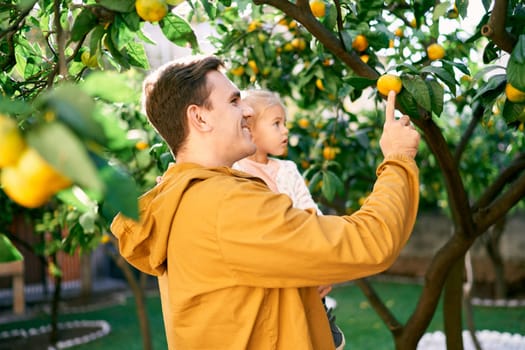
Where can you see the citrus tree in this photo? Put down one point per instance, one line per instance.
(67, 83)
(74, 149)
(324, 55)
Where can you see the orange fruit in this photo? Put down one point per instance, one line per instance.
(318, 8)
(254, 25)
(329, 153)
(237, 71)
(299, 44)
(319, 84)
(253, 65)
(32, 181)
(360, 43)
(513, 94)
(151, 10)
(141, 145)
(303, 123)
(388, 82)
(12, 143)
(435, 52)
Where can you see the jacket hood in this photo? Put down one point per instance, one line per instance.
(144, 243)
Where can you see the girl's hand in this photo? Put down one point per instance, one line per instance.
(324, 290)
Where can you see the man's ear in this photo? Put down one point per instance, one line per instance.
(197, 118)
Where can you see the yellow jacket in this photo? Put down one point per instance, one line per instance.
(238, 266)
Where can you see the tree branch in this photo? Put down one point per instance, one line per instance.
(301, 12)
(486, 217)
(505, 177)
(378, 305)
(477, 114)
(495, 28)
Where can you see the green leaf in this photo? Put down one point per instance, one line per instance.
(96, 38)
(84, 22)
(314, 182)
(119, 90)
(462, 6)
(77, 198)
(137, 55)
(512, 111)
(332, 185)
(440, 10)
(359, 82)
(65, 152)
(444, 75)
(75, 108)
(516, 65)
(418, 89)
(492, 88)
(17, 107)
(123, 196)
(8, 251)
(132, 20)
(407, 103)
(178, 31)
(118, 56)
(437, 95)
(118, 5)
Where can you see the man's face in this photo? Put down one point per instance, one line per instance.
(231, 136)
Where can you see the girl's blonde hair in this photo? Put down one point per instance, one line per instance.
(260, 100)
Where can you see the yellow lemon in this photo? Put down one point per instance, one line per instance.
(39, 173)
(513, 94)
(360, 43)
(88, 60)
(12, 143)
(303, 123)
(435, 52)
(141, 145)
(299, 44)
(19, 190)
(151, 10)
(253, 65)
(318, 8)
(399, 32)
(329, 153)
(237, 71)
(319, 84)
(388, 82)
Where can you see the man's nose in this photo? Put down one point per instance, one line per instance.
(247, 111)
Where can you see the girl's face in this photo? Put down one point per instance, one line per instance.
(269, 131)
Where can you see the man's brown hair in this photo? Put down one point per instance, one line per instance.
(169, 91)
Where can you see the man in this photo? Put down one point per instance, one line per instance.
(238, 266)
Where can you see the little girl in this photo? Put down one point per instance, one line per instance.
(270, 135)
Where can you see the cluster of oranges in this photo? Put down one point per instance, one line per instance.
(25, 177)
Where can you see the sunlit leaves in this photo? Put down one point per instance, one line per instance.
(178, 31)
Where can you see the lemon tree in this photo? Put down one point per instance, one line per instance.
(453, 98)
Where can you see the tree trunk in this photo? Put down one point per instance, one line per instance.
(452, 306)
(86, 283)
(467, 291)
(492, 246)
(53, 335)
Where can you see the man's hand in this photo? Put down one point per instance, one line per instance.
(399, 135)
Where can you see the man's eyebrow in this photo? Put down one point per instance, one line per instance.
(235, 95)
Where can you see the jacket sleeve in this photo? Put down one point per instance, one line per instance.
(270, 244)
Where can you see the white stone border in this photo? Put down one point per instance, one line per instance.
(105, 328)
(488, 339)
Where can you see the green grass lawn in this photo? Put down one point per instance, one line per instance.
(362, 327)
